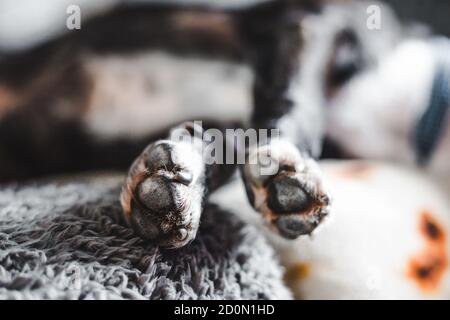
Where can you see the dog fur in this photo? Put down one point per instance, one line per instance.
(81, 102)
(86, 100)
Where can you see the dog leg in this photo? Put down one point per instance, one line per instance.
(293, 198)
(167, 185)
(291, 194)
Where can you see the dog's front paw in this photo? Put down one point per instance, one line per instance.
(287, 188)
(163, 194)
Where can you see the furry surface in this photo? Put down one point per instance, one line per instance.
(69, 241)
(375, 244)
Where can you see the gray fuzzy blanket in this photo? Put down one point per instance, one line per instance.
(69, 241)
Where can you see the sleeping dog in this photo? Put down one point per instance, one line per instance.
(95, 99)
(387, 99)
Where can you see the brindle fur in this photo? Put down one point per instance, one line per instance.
(39, 137)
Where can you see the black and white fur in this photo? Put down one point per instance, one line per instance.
(388, 236)
(380, 85)
(97, 97)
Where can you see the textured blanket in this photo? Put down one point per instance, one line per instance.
(69, 241)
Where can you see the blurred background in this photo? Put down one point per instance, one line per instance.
(28, 22)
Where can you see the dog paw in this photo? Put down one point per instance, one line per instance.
(163, 193)
(286, 188)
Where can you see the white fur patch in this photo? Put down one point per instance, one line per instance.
(375, 114)
(134, 96)
(307, 121)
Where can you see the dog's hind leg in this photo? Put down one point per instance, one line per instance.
(167, 185)
(292, 197)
